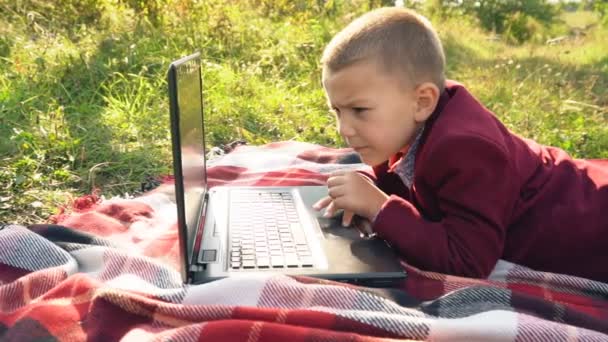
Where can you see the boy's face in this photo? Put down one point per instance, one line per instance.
(378, 115)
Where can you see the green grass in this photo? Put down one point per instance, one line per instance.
(579, 19)
(83, 93)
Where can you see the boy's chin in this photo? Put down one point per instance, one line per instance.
(370, 156)
(370, 160)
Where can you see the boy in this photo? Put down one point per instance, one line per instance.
(453, 190)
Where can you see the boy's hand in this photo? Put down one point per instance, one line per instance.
(331, 210)
(354, 193)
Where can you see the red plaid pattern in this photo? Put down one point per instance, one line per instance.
(107, 272)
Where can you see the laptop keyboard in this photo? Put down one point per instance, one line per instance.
(265, 232)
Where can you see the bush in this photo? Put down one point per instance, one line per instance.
(518, 20)
(40, 15)
(601, 8)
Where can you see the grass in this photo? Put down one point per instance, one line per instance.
(83, 103)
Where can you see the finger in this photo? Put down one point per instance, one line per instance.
(336, 191)
(364, 176)
(337, 173)
(341, 202)
(322, 203)
(335, 180)
(347, 218)
(331, 210)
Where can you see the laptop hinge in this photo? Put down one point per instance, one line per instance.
(195, 266)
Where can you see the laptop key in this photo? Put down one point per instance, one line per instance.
(263, 262)
(276, 261)
(235, 264)
(298, 234)
(292, 260)
(304, 253)
(291, 255)
(248, 264)
(261, 255)
(307, 261)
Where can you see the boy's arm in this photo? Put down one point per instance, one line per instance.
(474, 183)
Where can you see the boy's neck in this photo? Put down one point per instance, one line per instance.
(404, 151)
(443, 99)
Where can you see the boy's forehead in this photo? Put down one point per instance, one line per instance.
(349, 71)
(348, 87)
(364, 71)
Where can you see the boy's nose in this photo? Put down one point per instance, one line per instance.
(345, 128)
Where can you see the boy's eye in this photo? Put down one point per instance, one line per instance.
(359, 110)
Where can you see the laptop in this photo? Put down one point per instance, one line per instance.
(231, 231)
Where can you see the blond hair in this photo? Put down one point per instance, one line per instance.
(398, 38)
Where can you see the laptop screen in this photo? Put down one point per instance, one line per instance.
(187, 132)
(189, 103)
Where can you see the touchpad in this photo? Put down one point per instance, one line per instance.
(332, 228)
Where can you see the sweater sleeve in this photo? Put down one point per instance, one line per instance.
(472, 179)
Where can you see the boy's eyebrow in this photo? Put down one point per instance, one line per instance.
(351, 102)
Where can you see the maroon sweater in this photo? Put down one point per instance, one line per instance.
(481, 193)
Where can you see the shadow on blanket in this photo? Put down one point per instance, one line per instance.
(107, 271)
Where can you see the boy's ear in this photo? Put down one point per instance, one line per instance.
(427, 96)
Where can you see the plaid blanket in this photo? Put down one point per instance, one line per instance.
(106, 270)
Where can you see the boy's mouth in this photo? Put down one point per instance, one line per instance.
(359, 148)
